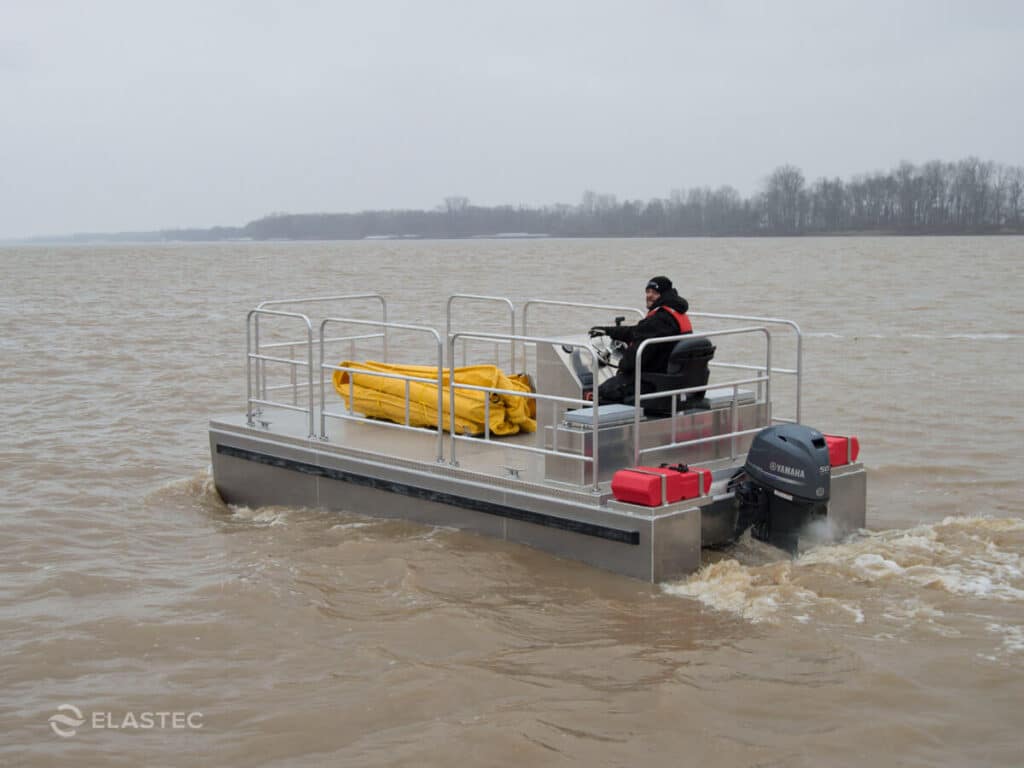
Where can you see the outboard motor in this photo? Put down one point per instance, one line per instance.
(784, 485)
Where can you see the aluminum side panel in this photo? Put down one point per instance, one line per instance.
(847, 506)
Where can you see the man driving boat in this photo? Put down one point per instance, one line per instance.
(666, 316)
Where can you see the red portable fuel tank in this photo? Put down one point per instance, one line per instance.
(838, 445)
(643, 485)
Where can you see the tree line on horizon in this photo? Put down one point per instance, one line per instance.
(966, 197)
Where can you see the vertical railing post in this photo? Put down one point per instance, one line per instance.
(596, 423)
(636, 401)
(309, 379)
(734, 419)
(440, 399)
(799, 371)
(249, 415)
(452, 459)
(294, 375)
(512, 344)
(448, 331)
(260, 383)
(768, 383)
(323, 386)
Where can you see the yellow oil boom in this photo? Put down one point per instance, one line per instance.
(383, 397)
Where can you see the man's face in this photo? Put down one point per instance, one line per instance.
(652, 297)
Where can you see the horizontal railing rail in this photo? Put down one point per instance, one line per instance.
(366, 336)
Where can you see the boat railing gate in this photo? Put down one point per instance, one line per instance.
(253, 358)
(763, 377)
(472, 297)
(454, 437)
(351, 415)
(295, 385)
(796, 371)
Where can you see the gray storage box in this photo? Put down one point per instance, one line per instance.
(607, 415)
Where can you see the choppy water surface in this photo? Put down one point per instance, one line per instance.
(311, 638)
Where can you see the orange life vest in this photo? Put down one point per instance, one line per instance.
(680, 317)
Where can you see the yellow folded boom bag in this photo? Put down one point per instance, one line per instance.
(382, 397)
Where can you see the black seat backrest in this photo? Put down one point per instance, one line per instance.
(690, 357)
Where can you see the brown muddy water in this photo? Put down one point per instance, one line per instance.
(143, 622)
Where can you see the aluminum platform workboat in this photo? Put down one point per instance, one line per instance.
(723, 411)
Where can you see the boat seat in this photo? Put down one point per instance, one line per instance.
(687, 366)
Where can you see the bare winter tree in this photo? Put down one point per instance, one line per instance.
(782, 194)
(456, 204)
(1015, 197)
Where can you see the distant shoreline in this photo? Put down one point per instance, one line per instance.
(937, 199)
(115, 239)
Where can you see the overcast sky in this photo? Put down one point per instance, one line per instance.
(143, 115)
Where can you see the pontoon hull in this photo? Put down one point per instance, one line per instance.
(255, 469)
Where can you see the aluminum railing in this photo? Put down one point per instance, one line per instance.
(257, 359)
(797, 371)
(290, 345)
(475, 297)
(437, 382)
(525, 315)
(674, 394)
(261, 359)
(488, 391)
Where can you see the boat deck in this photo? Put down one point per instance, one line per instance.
(385, 441)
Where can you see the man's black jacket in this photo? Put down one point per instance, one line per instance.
(655, 325)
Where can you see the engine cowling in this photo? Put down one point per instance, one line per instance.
(784, 485)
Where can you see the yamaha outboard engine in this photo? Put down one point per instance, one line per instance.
(784, 485)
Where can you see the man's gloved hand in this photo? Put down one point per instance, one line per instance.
(598, 330)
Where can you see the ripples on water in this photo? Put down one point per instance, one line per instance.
(309, 638)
